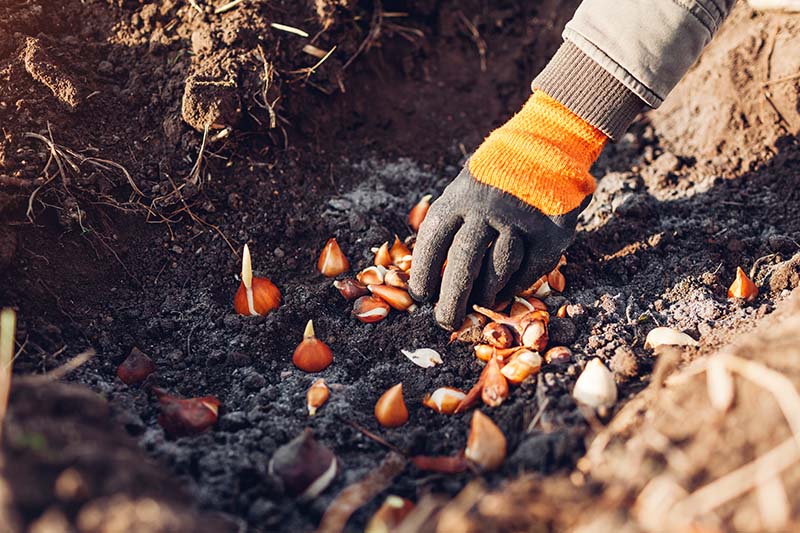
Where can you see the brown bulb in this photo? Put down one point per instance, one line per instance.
(332, 260)
(390, 409)
(486, 444)
(312, 355)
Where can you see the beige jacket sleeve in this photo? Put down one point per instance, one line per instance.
(620, 56)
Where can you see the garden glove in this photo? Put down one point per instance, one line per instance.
(510, 213)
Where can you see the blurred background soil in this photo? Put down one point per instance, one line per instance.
(123, 216)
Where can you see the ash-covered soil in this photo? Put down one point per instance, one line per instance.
(658, 245)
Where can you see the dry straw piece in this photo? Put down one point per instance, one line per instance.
(8, 328)
(719, 383)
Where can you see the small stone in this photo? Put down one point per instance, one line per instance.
(279, 253)
(233, 421)
(254, 381)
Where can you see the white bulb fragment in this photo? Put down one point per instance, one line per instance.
(595, 386)
(424, 357)
(668, 337)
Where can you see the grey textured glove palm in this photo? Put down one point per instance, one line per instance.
(493, 243)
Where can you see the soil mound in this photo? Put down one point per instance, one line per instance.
(741, 101)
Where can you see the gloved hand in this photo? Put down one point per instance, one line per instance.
(510, 213)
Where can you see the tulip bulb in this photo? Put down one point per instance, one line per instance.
(350, 289)
(382, 257)
(373, 275)
(305, 466)
(369, 309)
(390, 409)
(332, 260)
(444, 400)
(743, 287)
(556, 280)
(530, 327)
(397, 298)
(399, 252)
(486, 444)
(498, 335)
(540, 288)
(186, 416)
(136, 367)
(417, 214)
(534, 335)
(495, 388)
(524, 364)
(316, 396)
(255, 296)
(396, 278)
(312, 355)
(595, 386)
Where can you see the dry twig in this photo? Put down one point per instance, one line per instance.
(480, 43)
(372, 35)
(59, 372)
(194, 176)
(370, 435)
(360, 493)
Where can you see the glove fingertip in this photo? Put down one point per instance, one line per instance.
(445, 318)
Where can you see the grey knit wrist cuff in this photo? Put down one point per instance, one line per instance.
(589, 91)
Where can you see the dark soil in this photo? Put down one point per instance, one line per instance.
(355, 144)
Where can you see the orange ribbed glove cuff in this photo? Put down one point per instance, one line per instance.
(541, 156)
